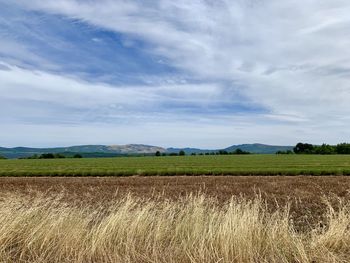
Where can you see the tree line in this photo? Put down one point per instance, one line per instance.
(307, 148)
(51, 156)
(220, 152)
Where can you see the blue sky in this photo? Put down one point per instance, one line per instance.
(174, 73)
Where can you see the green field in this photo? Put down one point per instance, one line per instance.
(182, 165)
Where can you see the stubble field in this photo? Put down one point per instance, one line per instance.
(197, 219)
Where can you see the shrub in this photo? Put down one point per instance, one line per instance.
(284, 152)
(240, 151)
(47, 156)
(59, 156)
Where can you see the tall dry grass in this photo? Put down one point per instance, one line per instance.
(195, 229)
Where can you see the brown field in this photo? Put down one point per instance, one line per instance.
(305, 194)
(306, 188)
(175, 219)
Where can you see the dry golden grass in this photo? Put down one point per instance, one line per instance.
(303, 193)
(190, 229)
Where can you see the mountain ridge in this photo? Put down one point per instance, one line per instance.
(17, 152)
(257, 148)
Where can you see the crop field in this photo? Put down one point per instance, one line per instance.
(105, 210)
(182, 165)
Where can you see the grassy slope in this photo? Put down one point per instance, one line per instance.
(189, 165)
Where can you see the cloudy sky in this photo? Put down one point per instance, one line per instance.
(197, 73)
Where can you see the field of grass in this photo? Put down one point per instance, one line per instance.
(187, 219)
(304, 194)
(182, 165)
(193, 229)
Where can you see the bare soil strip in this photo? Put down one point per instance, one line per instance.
(306, 194)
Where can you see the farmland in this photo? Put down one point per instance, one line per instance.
(59, 211)
(182, 165)
(304, 194)
(200, 219)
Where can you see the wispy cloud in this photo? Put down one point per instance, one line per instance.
(64, 99)
(234, 67)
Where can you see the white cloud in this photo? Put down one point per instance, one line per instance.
(18, 54)
(284, 55)
(42, 109)
(67, 96)
(290, 57)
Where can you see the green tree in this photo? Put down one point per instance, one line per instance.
(240, 151)
(303, 148)
(2, 157)
(35, 156)
(343, 148)
(47, 156)
(182, 153)
(284, 152)
(158, 153)
(77, 155)
(324, 149)
(59, 156)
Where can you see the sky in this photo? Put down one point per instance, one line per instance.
(182, 73)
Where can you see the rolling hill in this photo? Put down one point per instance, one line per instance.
(132, 149)
(259, 148)
(99, 150)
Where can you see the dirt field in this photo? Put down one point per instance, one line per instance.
(166, 220)
(307, 188)
(306, 193)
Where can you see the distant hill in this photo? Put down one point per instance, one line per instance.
(259, 148)
(252, 148)
(131, 149)
(98, 150)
